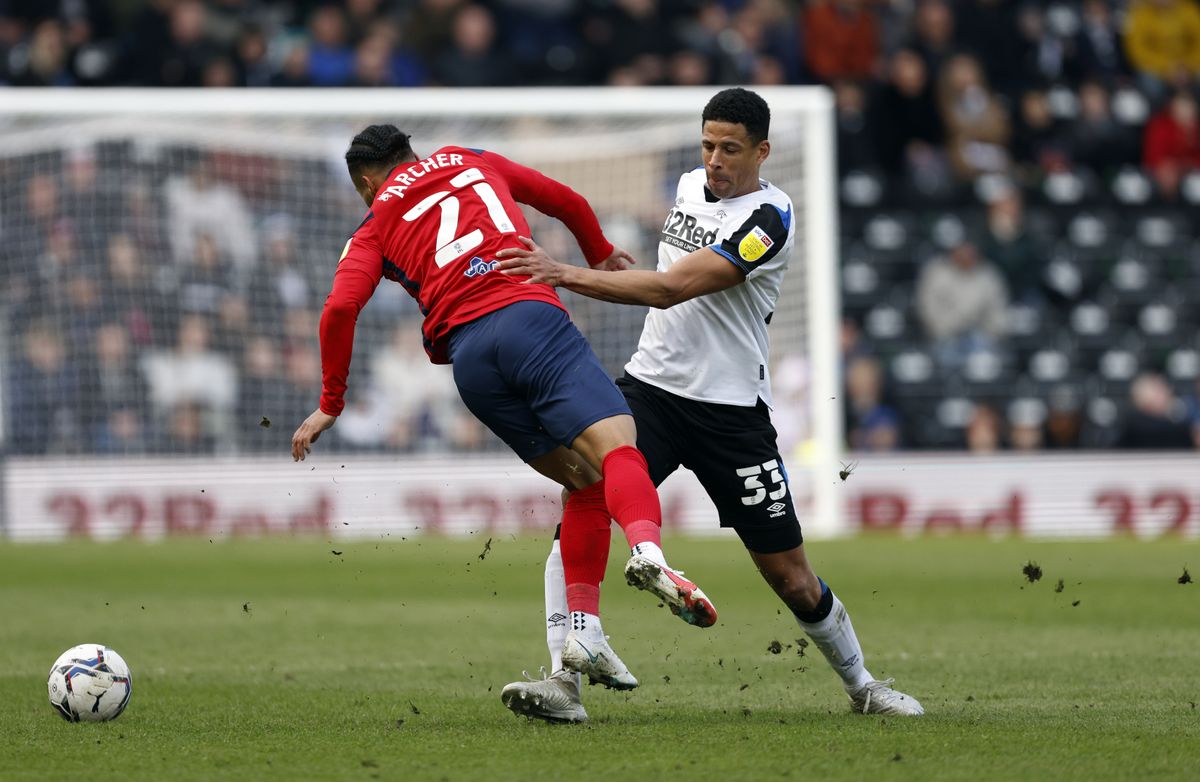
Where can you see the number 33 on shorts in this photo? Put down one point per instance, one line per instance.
(753, 482)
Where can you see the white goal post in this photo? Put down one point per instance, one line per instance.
(275, 156)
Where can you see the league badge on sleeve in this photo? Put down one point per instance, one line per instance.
(754, 244)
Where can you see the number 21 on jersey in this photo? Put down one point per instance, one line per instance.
(450, 245)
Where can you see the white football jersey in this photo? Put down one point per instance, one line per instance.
(714, 348)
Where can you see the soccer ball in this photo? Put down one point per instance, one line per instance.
(90, 683)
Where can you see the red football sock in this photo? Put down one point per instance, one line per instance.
(583, 542)
(630, 495)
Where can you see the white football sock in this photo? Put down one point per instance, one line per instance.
(652, 552)
(834, 636)
(587, 625)
(557, 616)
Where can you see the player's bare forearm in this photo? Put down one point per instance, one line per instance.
(627, 287)
(697, 274)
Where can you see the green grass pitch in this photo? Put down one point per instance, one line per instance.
(281, 660)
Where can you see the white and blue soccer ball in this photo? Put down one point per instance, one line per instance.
(90, 683)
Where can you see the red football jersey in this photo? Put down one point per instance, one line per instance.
(435, 228)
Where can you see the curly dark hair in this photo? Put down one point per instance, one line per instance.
(740, 106)
(377, 146)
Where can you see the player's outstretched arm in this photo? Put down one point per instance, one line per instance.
(696, 274)
(354, 282)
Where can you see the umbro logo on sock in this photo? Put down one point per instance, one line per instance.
(556, 620)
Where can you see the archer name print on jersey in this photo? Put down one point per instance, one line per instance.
(417, 170)
(688, 232)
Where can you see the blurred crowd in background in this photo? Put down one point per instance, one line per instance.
(155, 311)
(1017, 179)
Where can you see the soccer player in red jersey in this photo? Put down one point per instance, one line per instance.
(434, 225)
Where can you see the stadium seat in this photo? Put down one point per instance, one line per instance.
(860, 288)
(1026, 325)
(954, 412)
(859, 278)
(1117, 365)
(891, 236)
(887, 327)
(1132, 284)
(1091, 325)
(1130, 107)
(987, 375)
(912, 369)
(1065, 277)
(887, 232)
(991, 187)
(1131, 187)
(1114, 371)
(1050, 366)
(1026, 411)
(917, 386)
(1063, 20)
(1063, 189)
(1089, 230)
(1164, 231)
(862, 189)
(1132, 276)
(1158, 323)
(1183, 369)
(1064, 103)
(936, 422)
(947, 230)
(1190, 188)
(1103, 416)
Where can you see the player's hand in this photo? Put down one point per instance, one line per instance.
(308, 433)
(620, 260)
(532, 261)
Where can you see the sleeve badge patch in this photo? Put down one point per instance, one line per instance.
(754, 244)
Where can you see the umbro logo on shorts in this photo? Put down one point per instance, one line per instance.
(776, 509)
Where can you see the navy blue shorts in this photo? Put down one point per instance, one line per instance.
(531, 377)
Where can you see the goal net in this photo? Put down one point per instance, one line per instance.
(166, 256)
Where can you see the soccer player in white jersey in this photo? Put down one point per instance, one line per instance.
(700, 392)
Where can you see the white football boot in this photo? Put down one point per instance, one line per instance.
(552, 698)
(879, 698)
(593, 657)
(686, 600)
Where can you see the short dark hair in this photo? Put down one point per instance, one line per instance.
(377, 146)
(742, 107)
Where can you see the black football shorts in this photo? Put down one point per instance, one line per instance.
(732, 451)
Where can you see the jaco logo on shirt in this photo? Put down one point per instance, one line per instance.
(479, 267)
(754, 244)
